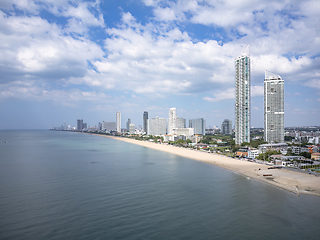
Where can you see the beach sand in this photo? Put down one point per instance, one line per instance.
(293, 181)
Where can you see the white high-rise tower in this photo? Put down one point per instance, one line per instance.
(118, 122)
(273, 108)
(242, 98)
(172, 122)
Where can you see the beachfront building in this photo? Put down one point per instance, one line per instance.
(273, 108)
(199, 126)
(145, 122)
(79, 124)
(109, 126)
(172, 121)
(188, 132)
(226, 127)
(181, 123)
(242, 97)
(118, 122)
(131, 128)
(282, 147)
(157, 126)
(315, 156)
(128, 124)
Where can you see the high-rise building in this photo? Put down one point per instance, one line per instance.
(242, 98)
(131, 128)
(109, 126)
(79, 124)
(181, 123)
(199, 125)
(145, 122)
(157, 126)
(273, 108)
(226, 127)
(128, 124)
(172, 121)
(118, 122)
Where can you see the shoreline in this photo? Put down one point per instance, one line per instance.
(292, 181)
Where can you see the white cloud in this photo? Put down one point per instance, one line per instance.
(257, 91)
(31, 45)
(230, 94)
(314, 83)
(161, 58)
(33, 91)
(222, 95)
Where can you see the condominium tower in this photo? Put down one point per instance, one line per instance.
(80, 124)
(118, 122)
(242, 98)
(128, 124)
(226, 127)
(145, 122)
(273, 108)
(199, 125)
(157, 126)
(172, 122)
(181, 123)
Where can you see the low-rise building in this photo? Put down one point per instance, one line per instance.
(273, 146)
(131, 128)
(253, 153)
(242, 152)
(315, 156)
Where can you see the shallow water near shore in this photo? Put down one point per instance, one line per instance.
(63, 185)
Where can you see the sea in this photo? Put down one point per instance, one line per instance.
(66, 185)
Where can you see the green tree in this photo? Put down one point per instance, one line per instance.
(306, 154)
(180, 142)
(266, 155)
(245, 144)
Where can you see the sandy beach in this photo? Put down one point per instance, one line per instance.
(293, 181)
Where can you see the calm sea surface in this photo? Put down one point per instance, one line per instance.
(62, 185)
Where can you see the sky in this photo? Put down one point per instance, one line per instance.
(63, 60)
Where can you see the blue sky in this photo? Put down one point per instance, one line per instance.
(67, 59)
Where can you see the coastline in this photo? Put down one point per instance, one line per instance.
(293, 181)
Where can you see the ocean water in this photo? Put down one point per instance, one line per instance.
(63, 185)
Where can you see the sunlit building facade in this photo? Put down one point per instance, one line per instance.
(273, 108)
(118, 122)
(172, 121)
(242, 97)
(157, 126)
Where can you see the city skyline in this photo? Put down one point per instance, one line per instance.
(89, 59)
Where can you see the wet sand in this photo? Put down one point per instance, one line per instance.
(293, 181)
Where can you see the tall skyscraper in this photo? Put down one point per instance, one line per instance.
(145, 122)
(79, 124)
(128, 124)
(172, 121)
(242, 98)
(157, 126)
(118, 122)
(226, 127)
(199, 125)
(181, 123)
(273, 108)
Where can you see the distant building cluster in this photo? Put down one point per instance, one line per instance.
(172, 127)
